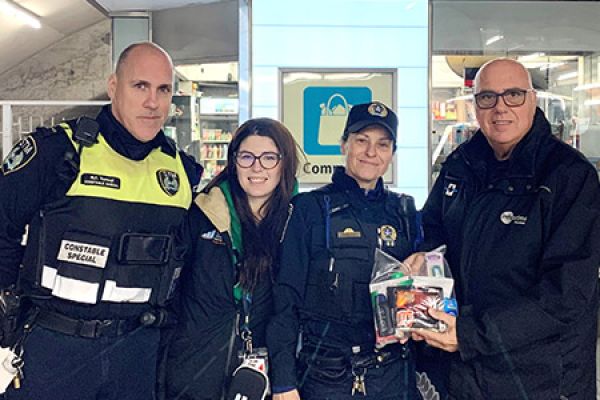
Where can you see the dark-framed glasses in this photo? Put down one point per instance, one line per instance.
(511, 97)
(267, 160)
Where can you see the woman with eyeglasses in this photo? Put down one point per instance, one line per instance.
(235, 228)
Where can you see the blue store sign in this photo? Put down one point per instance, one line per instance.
(325, 112)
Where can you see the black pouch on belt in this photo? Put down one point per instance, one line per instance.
(377, 358)
(324, 366)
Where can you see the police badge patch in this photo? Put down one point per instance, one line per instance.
(168, 181)
(20, 155)
(388, 235)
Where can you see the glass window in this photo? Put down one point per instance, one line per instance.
(559, 43)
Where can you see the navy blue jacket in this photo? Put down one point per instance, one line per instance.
(303, 302)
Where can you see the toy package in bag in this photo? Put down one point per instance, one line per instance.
(401, 295)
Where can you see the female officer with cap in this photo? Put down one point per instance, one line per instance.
(322, 293)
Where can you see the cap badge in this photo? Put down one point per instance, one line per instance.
(378, 110)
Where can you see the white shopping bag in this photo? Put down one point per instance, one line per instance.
(8, 370)
(333, 120)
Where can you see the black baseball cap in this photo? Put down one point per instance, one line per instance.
(374, 113)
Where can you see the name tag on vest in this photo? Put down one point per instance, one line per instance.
(83, 253)
(101, 180)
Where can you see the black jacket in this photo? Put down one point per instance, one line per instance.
(204, 350)
(305, 292)
(38, 173)
(524, 249)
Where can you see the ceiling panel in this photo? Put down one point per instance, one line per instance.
(59, 18)
(146, 5)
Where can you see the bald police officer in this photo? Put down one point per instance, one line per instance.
(102, 199)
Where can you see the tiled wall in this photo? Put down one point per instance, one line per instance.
(75, 68)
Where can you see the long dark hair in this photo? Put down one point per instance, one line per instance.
(261, 237)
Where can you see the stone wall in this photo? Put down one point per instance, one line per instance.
(74, 68)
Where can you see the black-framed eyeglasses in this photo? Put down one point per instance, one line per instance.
(512, 98)
(267, 160)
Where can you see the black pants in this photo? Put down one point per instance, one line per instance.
(393, 381)
(59, 366)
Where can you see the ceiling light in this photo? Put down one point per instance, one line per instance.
(15, 10)
(548, 95)
(568, 75)
(531, 56)
(465, 97)
(493, 39)
(590, 103)
(552, 65)
(594, 85)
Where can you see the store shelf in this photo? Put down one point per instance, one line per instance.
(218, 120)
(183, 124)
(220, 117)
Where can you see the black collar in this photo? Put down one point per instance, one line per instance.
(345, 182)
(523, 159)
(125, 143)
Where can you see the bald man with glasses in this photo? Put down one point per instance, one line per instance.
(520, 213)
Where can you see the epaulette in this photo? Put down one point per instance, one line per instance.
(43, 131)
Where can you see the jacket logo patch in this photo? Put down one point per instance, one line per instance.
(83, 253)
(451, 189)
(348, 233)
(20, 155)
(209, 235)
(508, 217)
(101, 180)
(387, 234)
(214, 236)
(168, 181)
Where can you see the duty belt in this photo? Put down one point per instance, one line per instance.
(334, 366)
(92, 329)
(365, 359)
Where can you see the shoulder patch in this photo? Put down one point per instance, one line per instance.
(20, 155)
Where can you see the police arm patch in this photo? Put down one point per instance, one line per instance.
(20, 155)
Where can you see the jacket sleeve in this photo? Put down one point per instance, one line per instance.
(28, 177)
(432, 217)
(288, 295)
(568, 285)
